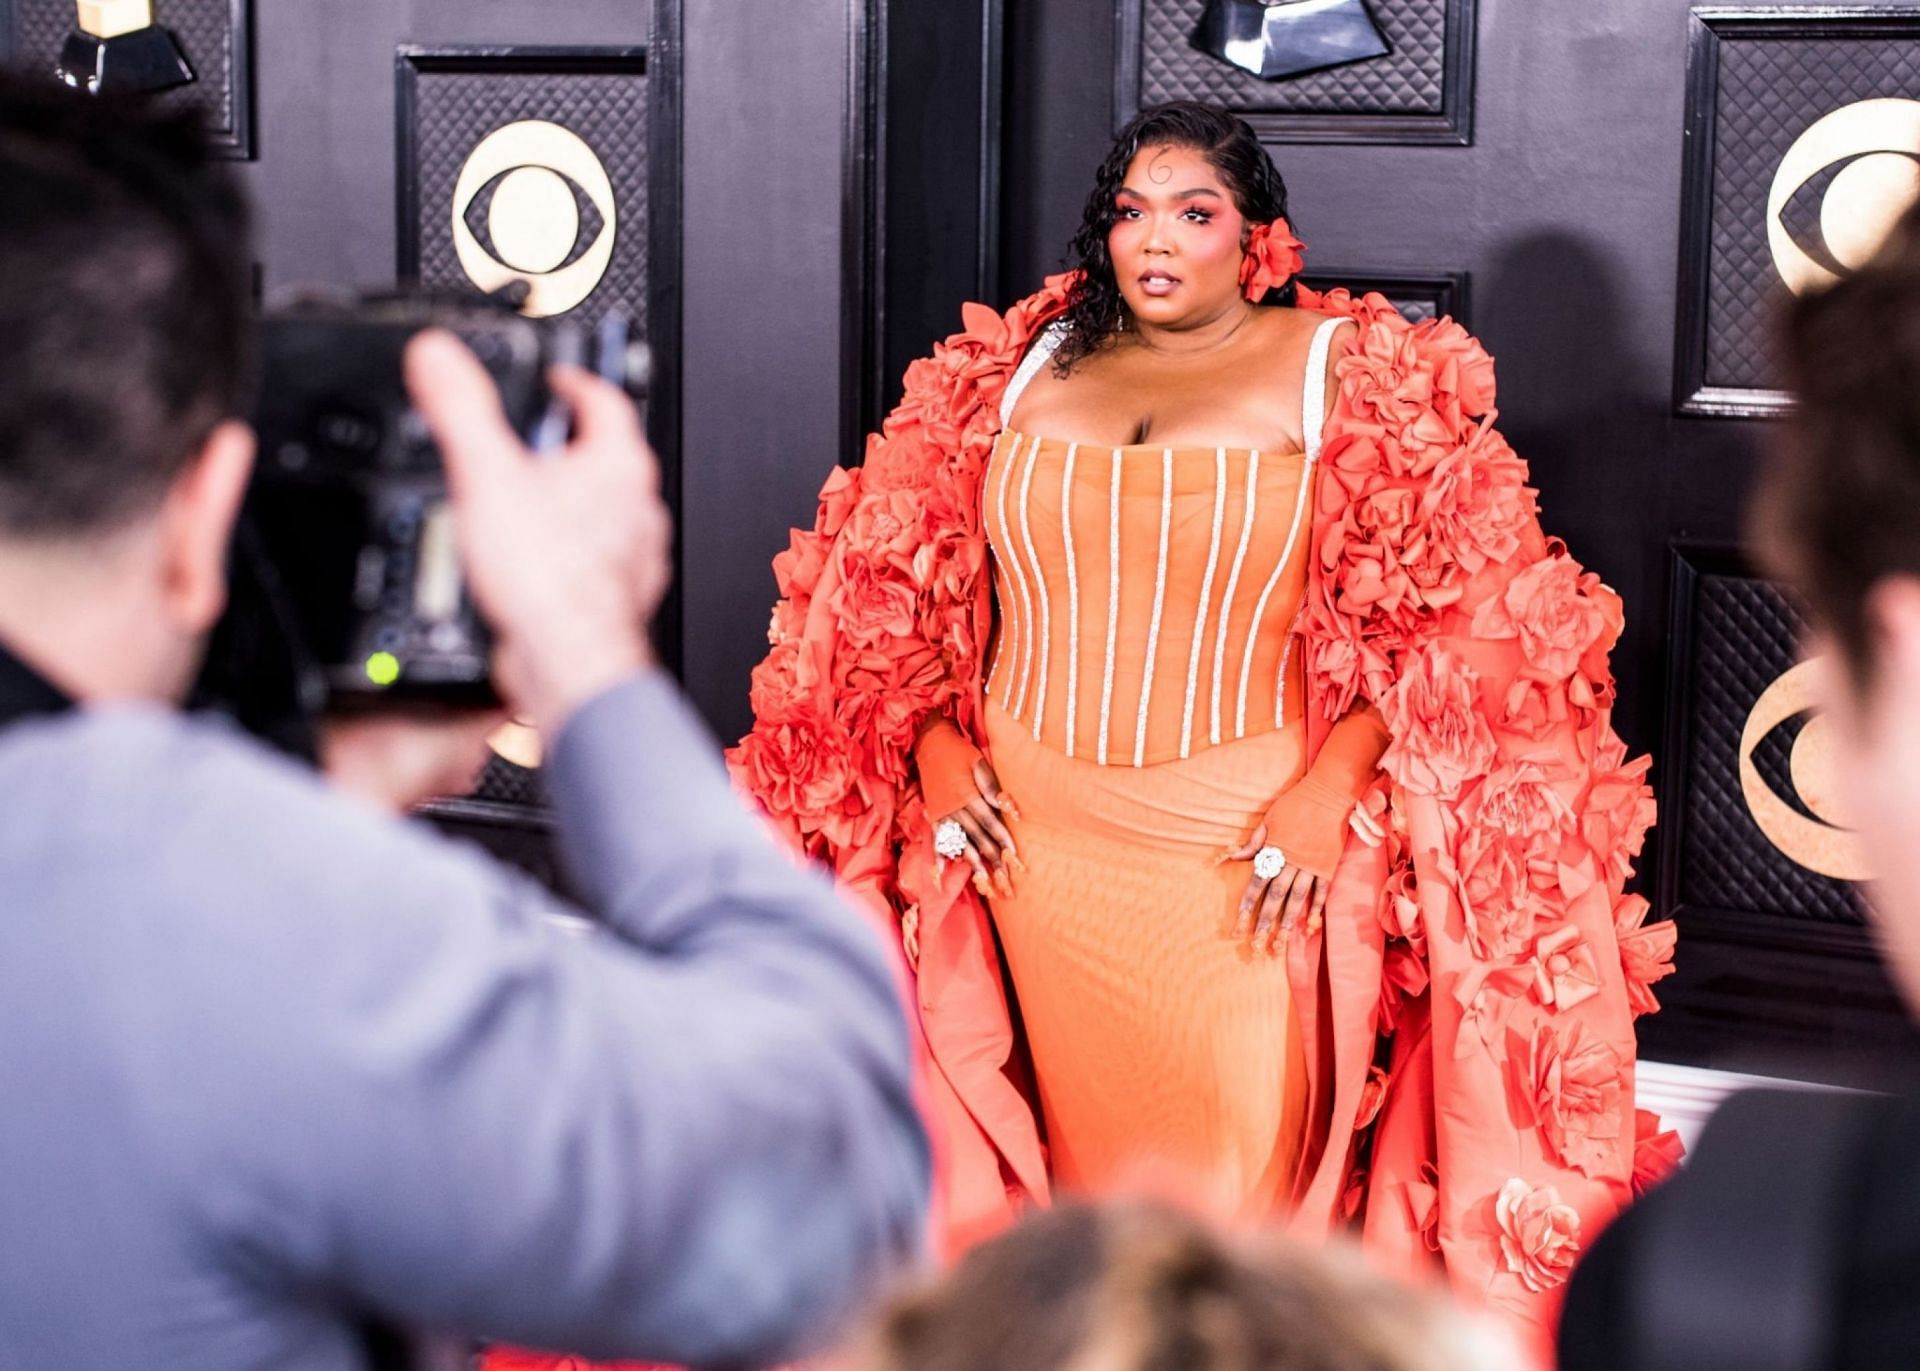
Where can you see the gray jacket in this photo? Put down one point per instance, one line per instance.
(270, 1062)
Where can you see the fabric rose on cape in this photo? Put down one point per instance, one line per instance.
(801, 769)
(1570, 1088)
(1465, 373)
(1565, 971)
(1506, 858)
(875, 601)
(1646, 952)
(1559, 613)
(1440, 736)
(1539, 1236)
(1477, 501)
(1620, 809)
(1390, 384)
(1657, 1152)
(1423, 1205)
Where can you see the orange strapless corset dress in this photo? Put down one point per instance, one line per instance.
(1143, 710)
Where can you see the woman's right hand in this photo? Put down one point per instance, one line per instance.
(990, 847)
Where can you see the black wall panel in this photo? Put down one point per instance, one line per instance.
(763, 93)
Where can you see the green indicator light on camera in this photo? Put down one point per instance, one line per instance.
(383, 668)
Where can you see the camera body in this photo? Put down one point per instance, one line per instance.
(347, 587)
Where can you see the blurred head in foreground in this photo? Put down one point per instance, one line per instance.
(1838, 517)
(124, 347)
(1140, 1287)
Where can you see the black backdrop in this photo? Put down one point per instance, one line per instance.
(845, 162)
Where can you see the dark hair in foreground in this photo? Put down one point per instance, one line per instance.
(1095, 310)
(124, 305)
(1133, 1287)
(1839, 506)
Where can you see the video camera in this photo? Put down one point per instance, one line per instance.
(347, 592)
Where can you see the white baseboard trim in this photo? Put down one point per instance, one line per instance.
(1685, 1096)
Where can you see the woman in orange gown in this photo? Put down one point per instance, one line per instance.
(1144, 708)
(1177, 561)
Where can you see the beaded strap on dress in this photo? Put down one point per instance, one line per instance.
(1037, 356)
(1313, 422)
(1313, 400)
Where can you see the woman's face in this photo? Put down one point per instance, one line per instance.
(1176, 238)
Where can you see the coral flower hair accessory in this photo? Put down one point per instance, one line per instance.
(1273, 258)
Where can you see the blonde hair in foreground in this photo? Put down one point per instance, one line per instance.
(1139, 1287)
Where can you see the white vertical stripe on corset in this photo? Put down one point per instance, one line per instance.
(1233, 584)
(1040, 592)
(1005, 592)
(1113, 600)
(1012, 563)
(1001, 588)
(1206, 598)
(1073, 596)
(1280, 686)
(1159, 603)
(1260, 607)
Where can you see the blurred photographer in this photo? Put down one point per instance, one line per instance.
(274, 1064)
(1791, 1241)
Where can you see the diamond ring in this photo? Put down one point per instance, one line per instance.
(950, 839)
(1269, 862)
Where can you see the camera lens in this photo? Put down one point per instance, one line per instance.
(348, 432)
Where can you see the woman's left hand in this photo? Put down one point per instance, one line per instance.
(1270, 910)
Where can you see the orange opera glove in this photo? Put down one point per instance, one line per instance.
(1308, 821)
(946, 758)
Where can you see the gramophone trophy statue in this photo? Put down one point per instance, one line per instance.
(117, 48)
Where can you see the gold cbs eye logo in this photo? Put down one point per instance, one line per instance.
(1814, 833)
(534, 203)
(1876, 146)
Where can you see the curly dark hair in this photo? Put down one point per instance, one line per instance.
(1095, 310)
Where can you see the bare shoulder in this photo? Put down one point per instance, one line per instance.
(1282, 336)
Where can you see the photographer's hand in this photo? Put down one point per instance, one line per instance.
(567, 555)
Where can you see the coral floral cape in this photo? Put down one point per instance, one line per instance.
(1468, 1007)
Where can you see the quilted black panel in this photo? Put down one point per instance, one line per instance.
(204, 28)
(504, 783)
(1417, 299)
(1744, 637)
(1411, 79)
(454, 110)
(1770, 91)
